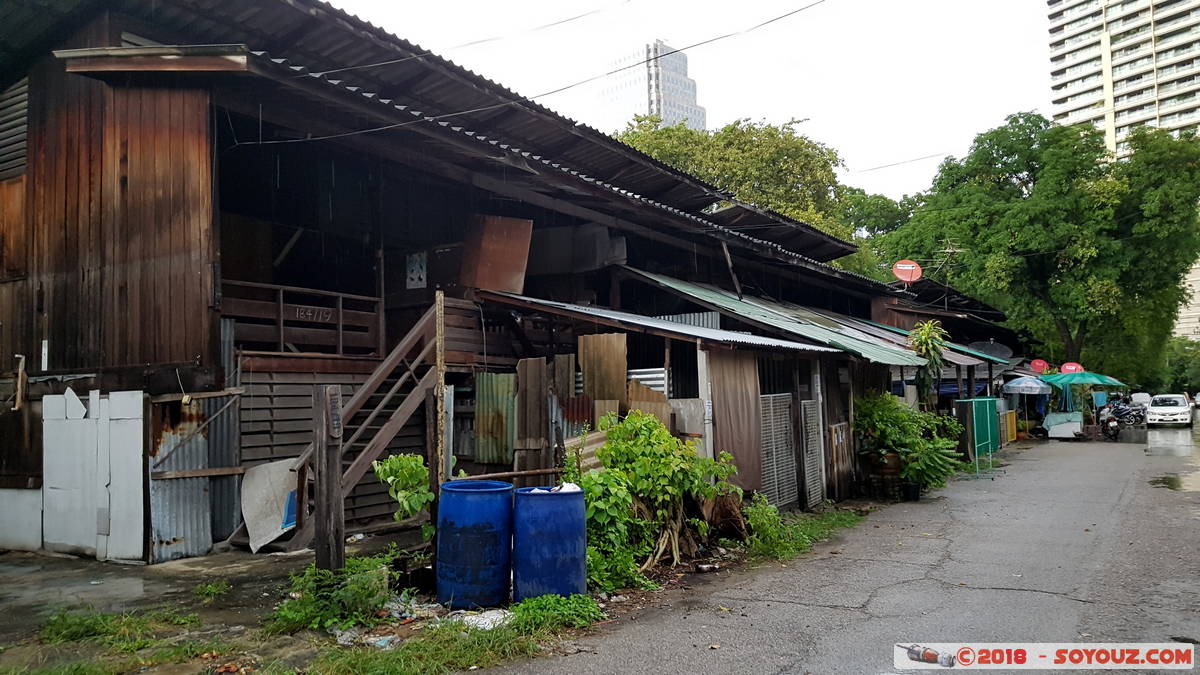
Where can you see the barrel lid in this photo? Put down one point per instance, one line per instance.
(477, 486)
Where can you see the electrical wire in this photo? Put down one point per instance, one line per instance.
(907, 161)
(528, 99)
(473, 43)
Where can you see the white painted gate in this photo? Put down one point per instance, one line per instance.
(94, 472)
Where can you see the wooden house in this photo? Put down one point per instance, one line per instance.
(219, 204)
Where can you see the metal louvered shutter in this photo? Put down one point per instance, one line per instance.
(813, 485)
(14, 127)
(778, 450)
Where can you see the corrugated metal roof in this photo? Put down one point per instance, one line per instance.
(897, 337)
(683, 330)
(953, 346)
(331, 39)
(791, 319)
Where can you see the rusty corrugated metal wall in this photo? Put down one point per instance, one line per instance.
(180, 513)
(495, 417)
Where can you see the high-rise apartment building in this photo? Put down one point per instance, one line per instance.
(657, 84)
(1122, 64)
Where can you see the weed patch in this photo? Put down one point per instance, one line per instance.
(442, 648)
(552, 613)
(211, 591)
(324, 599)
(779, 537)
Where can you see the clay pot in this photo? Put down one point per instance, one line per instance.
(888, 464)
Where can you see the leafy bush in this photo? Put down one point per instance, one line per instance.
(407, 479)
(931, 463)
(773, 535)
(552, 613)
(636, 505)
(885, 424)
(326, 599)
(925, 442)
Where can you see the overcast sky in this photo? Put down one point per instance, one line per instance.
(881, 81)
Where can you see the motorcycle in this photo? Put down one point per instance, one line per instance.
(1110, 424)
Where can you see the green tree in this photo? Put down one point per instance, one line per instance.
(1078, 250)
(772, 166)
(872, 215)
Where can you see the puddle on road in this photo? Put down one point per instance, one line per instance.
(1181, 442)
(1171, 481)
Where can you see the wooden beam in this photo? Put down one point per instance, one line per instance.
(97, 65)
(199, 473)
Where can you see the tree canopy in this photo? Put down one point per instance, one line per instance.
(773, 166)
(1085, 253)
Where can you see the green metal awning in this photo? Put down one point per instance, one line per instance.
(793, 320)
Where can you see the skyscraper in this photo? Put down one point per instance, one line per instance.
(1122, 64)
(657, 84)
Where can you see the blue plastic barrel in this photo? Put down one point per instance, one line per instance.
(549, 543)
(474, 539)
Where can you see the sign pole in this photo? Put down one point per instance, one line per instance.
(330, 540)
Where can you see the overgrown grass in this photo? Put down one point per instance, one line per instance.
(128, 631)
(779, 537)
(211, 591)
(553, 613)
(451, 646)
(129, 641)
(324, 599)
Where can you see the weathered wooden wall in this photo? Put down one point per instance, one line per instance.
(118, 222)
(14, 298)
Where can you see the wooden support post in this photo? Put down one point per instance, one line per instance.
(435, 484)
(958, 380)
(327, 455)
(279, 315)
(381, 306)
(667, 367)
(737, 285)
(990, 389)
(971, 381)
(340, 319)
(437, 459)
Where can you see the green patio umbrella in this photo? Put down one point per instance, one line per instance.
(1065, 381)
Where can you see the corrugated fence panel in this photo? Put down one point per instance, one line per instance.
(810, 412)
(495, 417)
(778, 450)
(180, 514)
(224, 450)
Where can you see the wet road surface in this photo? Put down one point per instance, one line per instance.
(1074, 542)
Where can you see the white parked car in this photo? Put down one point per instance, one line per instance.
(1169, 409)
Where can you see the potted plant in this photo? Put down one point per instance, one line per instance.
(1022, 430)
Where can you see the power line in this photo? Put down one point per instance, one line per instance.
(473, 43)
(527, 99)
(907, 161)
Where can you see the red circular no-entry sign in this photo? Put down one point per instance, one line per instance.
(1039, 365)
(1071, 367)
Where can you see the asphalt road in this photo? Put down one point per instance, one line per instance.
(1074, 542)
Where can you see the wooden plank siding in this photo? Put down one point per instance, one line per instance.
(112, 223)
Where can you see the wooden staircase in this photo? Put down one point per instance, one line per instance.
(379, 409)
